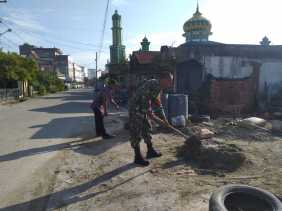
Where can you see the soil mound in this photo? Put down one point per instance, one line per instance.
(211, 154)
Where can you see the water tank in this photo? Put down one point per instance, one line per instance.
(177, 105)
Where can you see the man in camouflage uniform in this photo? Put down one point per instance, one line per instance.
(144, 104)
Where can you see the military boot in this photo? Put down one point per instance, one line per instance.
(152, 153)
(139, 158)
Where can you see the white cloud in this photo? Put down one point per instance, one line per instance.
(23, 19)
(25, 26)
(244, 21)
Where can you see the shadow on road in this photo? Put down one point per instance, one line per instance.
(100, 146)
(69, 107)
(41, 150)
(80, 95)
(68, 127)
(72, 195)
(85, 145)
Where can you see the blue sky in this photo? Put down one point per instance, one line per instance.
(75, 26)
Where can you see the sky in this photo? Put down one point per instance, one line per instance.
(76, 26)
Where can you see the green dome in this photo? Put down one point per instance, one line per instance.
(116, 15)
(197, 28)
(145, 39)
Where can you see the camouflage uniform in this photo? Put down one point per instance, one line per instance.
(146, 98)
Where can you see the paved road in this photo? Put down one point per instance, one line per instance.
(31, 135)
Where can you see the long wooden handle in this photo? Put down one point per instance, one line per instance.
(171, 127)
(178, 132)
(160, 121)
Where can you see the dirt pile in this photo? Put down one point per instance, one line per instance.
(211, 154)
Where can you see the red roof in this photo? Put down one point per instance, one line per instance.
(145, 57)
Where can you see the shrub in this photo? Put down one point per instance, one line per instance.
(42, 90)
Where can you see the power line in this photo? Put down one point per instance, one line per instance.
(104, 27)
(71, 45)
(13, 30)
(53, 41)
(12, 42)
(32, 33)
(12, 46)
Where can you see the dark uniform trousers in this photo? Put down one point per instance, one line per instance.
(140, 127)
(99, 122)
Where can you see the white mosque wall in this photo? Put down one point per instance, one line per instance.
(270, 78)
(227, 67)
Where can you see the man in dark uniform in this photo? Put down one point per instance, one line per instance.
(100, 108)
(145, 103)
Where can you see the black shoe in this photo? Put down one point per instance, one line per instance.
(107, 136)
(152, 153)
(139, 160)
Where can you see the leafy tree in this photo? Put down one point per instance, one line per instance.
(14, 67)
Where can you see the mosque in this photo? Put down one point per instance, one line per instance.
(218, 77)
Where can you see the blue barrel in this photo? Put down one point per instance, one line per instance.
(177, 105)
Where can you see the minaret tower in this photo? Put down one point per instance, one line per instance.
(145, 44)
(117, 49)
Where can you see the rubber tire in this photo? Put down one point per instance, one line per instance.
(217, 199)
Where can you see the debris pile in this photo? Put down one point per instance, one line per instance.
(212, 154)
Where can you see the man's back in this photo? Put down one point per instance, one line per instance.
(101, 96)
(140, 101)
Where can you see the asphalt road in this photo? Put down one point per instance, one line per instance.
(33, 133)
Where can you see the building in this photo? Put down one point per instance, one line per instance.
(147, 64)
(118, 66)
(53, 60)
(117, 49)
(77, 74)
(218, 77)
(144, 64)
(63, 66)
(226, 77)
(85, 72)
(92, 73)
(46, 57)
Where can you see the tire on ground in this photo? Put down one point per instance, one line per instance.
(219, 197)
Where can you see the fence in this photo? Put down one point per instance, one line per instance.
(9, 94)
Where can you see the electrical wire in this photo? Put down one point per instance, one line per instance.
(10, 41)
(72, 44)
(8, 44)
(104, 27)
(69, 44)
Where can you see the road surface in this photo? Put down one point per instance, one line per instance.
(32, 134)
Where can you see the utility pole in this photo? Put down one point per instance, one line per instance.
(2, 33)
(9, 30)
(96, 82)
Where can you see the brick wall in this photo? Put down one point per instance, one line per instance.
(232, 96)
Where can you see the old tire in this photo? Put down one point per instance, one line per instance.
(220, 199)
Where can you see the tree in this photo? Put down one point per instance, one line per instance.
(14, 67)
(7, 69)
